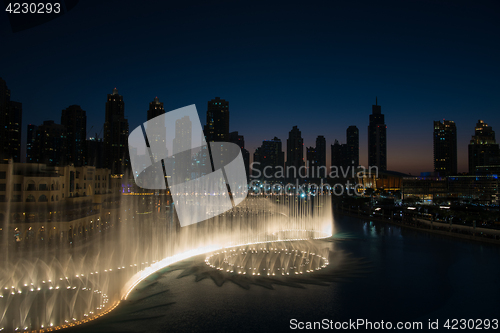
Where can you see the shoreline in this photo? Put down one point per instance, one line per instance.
(430, 231)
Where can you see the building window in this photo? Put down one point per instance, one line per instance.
(42, 187)
(2, 187)
(2, 175)
(30, 198)
(17, 187)
(17, 198)
(43, 198)
(2, 198)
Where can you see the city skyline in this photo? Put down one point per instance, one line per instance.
(337, 138)
(295, 65)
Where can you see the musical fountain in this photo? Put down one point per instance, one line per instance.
(67, 285)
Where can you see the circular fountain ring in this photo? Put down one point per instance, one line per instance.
(269, 259)
(90, 303)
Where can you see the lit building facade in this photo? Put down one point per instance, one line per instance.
(483, 149)
(217, 128)
(39, 202)
(445, 148)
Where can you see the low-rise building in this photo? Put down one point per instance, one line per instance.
(54, 203)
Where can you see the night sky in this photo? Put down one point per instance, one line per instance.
(315, 65)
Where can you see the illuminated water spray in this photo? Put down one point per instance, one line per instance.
(62, 286)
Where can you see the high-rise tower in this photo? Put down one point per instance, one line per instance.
(31, 156)
(445, 148)
(50, 146)
(295, 149)
(320, 160)
(74, 119)
(116, 135)
(377, 139)
(158, 137)
(269, 158)
(234, 137)
(483, 149)
(352, 135)
(10, 126)
(217, 128)
(155, 108)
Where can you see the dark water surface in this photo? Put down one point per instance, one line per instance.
(413, 276)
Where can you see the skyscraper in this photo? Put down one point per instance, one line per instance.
(158, 137)
(483, 149)
(183, 135)
(312, 161)
(347, 154)
(155, 108)
(445, 148)
(74, 119)
(269, 156)
(338, 153)
(377, 139)
(295, 149)
(31, 156)
(320, 157)
(10, 126)
(181, 147)
(116, 135)
(352, 135)
(50, 144)
(95, 152)
(217, 128)
(234, 137)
